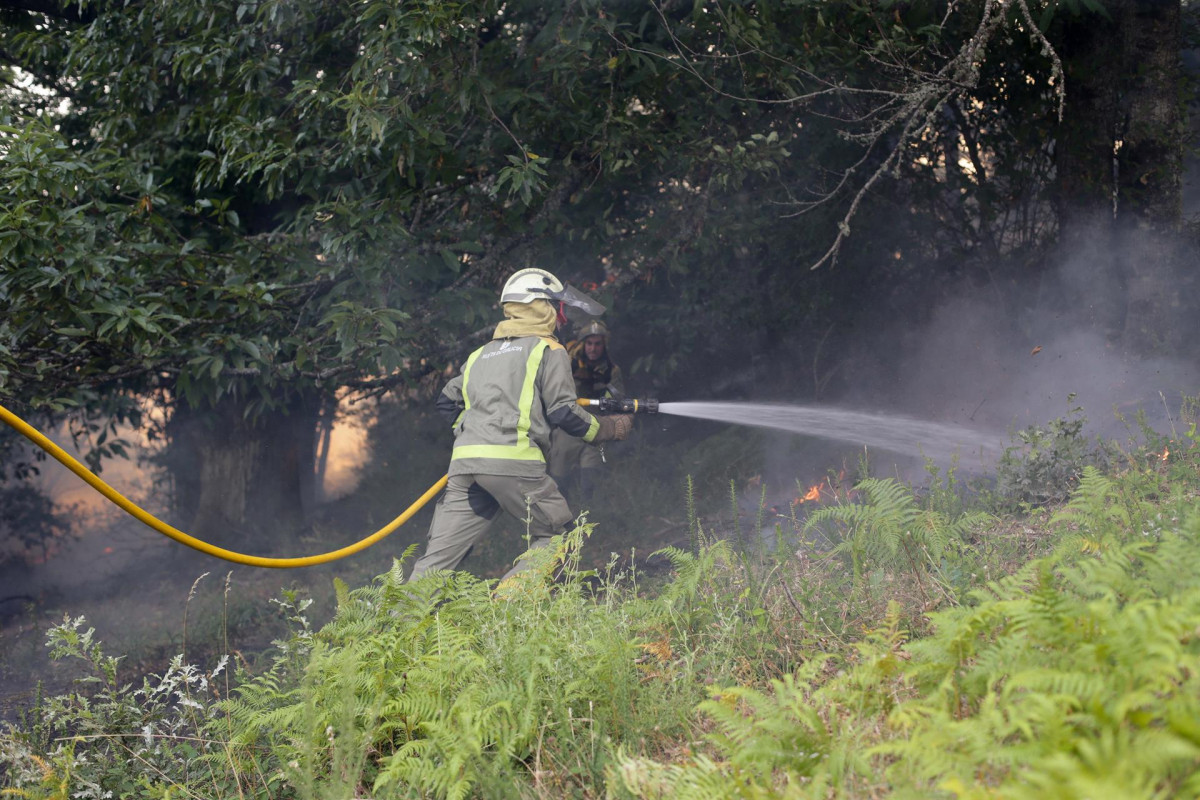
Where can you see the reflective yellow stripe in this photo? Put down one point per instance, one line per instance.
(466, 374)
(592, 430)
(506, 451)
(525, 404)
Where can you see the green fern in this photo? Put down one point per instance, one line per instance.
(890, 529)
(1074, 680)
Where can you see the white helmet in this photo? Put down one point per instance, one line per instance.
(531, 284)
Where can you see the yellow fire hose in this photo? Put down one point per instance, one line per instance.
(35, 436)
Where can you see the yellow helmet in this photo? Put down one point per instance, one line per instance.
(592, 327)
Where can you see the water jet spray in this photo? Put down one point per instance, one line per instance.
(887, 431)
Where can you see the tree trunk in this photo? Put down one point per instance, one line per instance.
(1149, 179)
(324, 441)
(245, 482)
(1119, 160)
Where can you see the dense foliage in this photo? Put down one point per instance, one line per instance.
(257, 199)
(251, 198)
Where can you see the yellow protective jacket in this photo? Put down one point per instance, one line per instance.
(510, 394)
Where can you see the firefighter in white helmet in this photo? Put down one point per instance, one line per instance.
(596, 376)
(509, 396)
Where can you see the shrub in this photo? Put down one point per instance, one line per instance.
(1046, 462)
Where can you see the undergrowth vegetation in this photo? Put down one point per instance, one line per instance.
(896, 642)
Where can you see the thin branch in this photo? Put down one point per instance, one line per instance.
(1056, 69)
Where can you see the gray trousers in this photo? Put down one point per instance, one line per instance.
(574, 464)
(469, 504)
(569, 452)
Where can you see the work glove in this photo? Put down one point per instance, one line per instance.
(615, 427)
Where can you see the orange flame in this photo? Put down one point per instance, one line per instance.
(1166, 453)
(814, 493)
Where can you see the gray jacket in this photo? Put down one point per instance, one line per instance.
(511, 392)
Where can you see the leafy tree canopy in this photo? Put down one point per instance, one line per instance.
(253, 200)
(242, 198)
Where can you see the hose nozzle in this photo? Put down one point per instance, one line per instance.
(611, 405)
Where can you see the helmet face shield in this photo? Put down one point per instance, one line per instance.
(573, 297)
